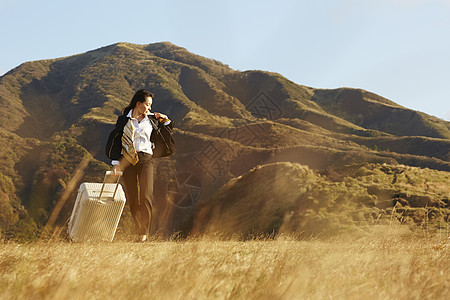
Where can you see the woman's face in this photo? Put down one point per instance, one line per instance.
(144, 107)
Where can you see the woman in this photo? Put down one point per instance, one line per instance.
(131, 146)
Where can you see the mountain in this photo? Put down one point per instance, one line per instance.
(56, 115)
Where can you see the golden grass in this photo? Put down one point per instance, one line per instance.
(386, 265)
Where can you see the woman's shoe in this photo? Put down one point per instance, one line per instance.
(142, 238)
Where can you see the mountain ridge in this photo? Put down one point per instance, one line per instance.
(245, 119)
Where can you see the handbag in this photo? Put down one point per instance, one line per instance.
(162, 139)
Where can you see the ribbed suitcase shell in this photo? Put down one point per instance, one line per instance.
(93, 219)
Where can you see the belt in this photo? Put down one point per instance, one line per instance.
(141, 152)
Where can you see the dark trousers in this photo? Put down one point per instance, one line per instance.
(138, 182)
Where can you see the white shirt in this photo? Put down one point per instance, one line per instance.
(141, 135)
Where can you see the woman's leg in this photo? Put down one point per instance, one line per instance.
(132, 194)
(145, 178)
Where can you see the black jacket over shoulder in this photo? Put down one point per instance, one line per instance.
(161, 137)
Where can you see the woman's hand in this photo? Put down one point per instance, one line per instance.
(120, 167)
(161, 116)
(115, 169)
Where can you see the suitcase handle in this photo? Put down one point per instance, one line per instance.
(119, 174)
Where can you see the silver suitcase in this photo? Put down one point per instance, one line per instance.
(97, 211)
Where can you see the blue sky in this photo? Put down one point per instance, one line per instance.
(399, 49)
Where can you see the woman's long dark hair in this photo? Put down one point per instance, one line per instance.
(140, 96)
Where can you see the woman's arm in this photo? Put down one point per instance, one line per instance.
(120, 166)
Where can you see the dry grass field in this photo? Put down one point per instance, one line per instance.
(389, 263)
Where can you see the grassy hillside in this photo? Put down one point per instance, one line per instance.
(227, 122)
(371, 111)
(291, 198)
